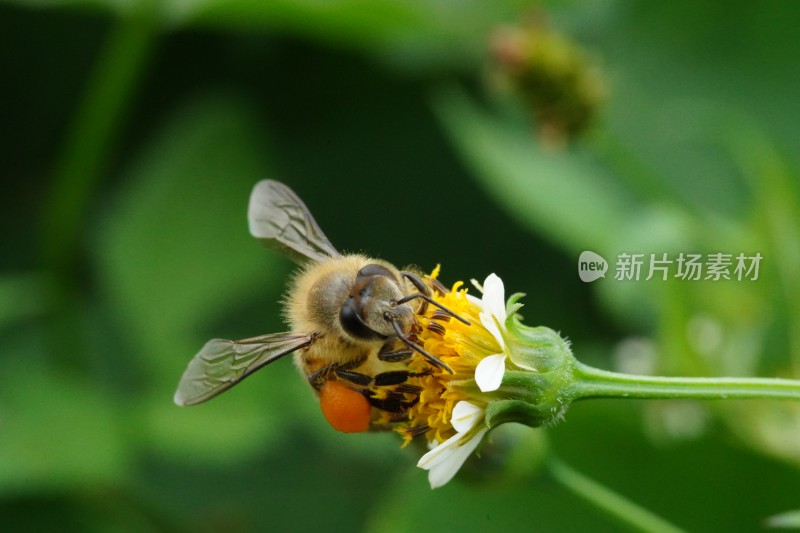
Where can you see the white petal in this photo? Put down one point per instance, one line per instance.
(490, 323)
(494, 297)
(489, 372)
(444, 471)
(465, 416)
(440, 453)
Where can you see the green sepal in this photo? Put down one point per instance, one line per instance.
(540, 348)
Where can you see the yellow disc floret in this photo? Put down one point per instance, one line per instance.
(458, 345)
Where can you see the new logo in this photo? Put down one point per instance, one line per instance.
(591, 266)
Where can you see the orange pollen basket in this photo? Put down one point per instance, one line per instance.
(345, 409)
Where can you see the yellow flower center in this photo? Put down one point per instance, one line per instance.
(459, 346)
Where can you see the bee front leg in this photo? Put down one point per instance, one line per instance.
(388, 355)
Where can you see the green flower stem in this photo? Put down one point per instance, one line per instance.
(595, 383)
(625, 511)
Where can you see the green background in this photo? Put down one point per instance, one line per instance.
(132, 133)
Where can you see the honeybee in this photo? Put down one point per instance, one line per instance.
(352, 321)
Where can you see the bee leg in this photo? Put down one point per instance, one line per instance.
(414, 346)
(394, 377)
(393, 403)
(419, 430)
(353, 377)
(410, 389)
(355, 363)
(394, 357)
(399, 377)
(421, 287)
(318, 378)
(346, 371)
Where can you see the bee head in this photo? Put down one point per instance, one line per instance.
(371, 306)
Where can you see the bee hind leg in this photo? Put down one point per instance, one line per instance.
(393, 403)
(353, 377)
(343, 371)
(346, 372)
(394, 377)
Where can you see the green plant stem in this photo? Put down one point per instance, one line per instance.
(609, 502)
(595, 383)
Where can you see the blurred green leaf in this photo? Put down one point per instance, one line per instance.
(174, 255)
(412, 33)
(56, 432)
(342, 119)
(774, 218)
(561, 195)
(174, 251)
(20, 298)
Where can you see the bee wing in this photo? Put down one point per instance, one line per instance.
(221, 364)
(282, 222)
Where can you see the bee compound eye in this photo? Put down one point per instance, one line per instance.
(345, 409)
(353, 324)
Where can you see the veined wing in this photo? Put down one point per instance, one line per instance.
(282, 222)
(221, 364)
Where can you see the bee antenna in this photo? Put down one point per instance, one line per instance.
(434, 303)
(425, 294)
(432, 359)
